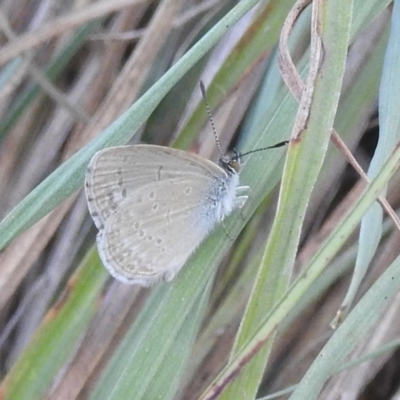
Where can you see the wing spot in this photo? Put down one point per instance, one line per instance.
(188, 190)
(141, 233)
(155, 206)
(152, 194)
(123, 193)
(150, 238)
(136, 225)
(159, 241)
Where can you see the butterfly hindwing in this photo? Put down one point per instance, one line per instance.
(156, 229)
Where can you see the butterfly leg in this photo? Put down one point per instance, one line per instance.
(242, 189)
(226, 232)
(241, 197)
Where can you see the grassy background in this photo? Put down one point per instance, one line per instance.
(76, 78)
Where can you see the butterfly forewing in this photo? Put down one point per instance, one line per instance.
(115, 172)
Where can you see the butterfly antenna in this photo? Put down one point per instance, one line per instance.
(210, 118)
(280, 144)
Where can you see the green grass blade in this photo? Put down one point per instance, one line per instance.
(57, 338)
(349, 334)
(149, 361)
(389, 135)
(303, 164)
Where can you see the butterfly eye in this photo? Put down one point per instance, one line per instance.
(235, 164)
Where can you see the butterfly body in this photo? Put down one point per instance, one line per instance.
(154, 205)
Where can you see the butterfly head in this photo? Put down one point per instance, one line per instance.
(231, 163)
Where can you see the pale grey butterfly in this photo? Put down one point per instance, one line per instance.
(154, 205)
